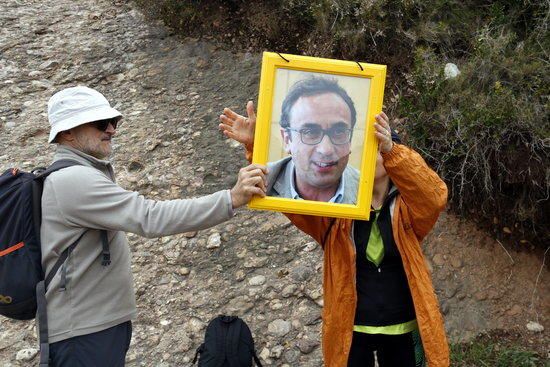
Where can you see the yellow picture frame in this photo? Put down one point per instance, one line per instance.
(371, 75)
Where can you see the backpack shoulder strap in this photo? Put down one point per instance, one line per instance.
(56, 166)
(42, 316)
(105, 249)
(62, 258)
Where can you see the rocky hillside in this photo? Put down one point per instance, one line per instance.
(258, 266)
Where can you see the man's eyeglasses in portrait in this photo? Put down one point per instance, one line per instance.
(314, 135)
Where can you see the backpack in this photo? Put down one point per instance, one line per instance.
(23, 283)
(228, 342)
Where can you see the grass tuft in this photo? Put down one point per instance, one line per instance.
(488, 354)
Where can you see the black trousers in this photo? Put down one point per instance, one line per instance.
(106, 348)
(391, 350)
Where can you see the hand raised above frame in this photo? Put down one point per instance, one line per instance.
(238, 127)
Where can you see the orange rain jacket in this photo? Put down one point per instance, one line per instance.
(422, 196)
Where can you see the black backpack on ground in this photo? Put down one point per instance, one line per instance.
(227, 343)
(23, 283)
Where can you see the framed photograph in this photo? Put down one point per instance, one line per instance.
(315, 132)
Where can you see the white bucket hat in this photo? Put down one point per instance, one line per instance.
(76, 106)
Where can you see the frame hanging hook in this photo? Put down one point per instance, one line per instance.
(282, 57)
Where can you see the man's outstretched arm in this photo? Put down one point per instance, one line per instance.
(87, 198)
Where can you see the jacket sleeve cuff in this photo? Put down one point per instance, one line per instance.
(230, 210)
(394, 156)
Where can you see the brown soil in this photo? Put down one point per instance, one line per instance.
(484, 286)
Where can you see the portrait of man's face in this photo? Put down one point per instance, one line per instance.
(318, 139)
(317, 136)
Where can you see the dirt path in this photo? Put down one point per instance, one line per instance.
(171, 92)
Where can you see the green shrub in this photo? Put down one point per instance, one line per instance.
(487, 132)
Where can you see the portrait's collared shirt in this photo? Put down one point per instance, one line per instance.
(337, 198)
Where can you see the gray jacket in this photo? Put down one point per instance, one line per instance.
(279, 176)
(84, 200)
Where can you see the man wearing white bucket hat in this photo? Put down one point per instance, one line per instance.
(90, 300)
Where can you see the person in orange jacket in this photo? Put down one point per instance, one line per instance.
(378, 293)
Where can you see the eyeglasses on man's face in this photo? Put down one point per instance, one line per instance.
(338, 135)
(103, 125)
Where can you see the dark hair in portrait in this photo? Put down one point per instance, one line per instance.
(313, 86)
